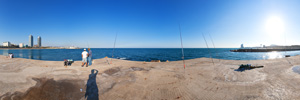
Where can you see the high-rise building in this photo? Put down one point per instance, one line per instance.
(30, 41)
(39, 41)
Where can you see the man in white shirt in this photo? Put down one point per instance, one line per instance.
(84, 56)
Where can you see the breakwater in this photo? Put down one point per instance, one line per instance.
(262, 50)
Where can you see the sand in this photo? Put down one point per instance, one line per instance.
(26, 79)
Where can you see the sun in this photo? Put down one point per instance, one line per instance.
(274, 26)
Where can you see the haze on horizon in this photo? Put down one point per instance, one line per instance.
(151, 23)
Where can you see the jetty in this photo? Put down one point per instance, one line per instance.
(27, 79)
(268, 49)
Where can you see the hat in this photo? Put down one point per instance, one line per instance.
(84, 49)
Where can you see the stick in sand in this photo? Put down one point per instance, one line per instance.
(113, 48)
(181, 47)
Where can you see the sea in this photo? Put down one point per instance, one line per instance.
(145, 54)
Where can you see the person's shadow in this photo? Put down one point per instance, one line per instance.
(91, 87)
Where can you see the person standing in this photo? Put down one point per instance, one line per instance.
(90, 57)
(84, 56)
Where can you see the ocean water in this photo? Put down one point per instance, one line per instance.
(144, 54)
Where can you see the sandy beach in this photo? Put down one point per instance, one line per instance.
(26, 79)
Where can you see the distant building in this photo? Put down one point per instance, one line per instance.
(30, 41)
(36, 46)
(21, 45)
(242, 45)
(6, 44)
(14, 45)
(39, 41)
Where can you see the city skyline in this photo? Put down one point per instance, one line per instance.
(152, 24)
(22, 44)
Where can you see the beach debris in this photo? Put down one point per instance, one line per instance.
(105, 57)
(167, 61)
(247, 67)
(155, 60)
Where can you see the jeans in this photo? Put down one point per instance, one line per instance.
(90, 60)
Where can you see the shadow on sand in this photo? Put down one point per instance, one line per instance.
(49, 89)
(91, 86)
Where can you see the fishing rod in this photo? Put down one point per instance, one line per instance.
(181, 47)
(113, 48)
(208, 49)
(214, 46)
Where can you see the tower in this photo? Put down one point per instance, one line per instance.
(30, 41)
(39, 41)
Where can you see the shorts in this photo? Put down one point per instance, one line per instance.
(84, 59)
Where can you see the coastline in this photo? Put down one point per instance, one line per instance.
(35, 48)
(262, 50)
(152, 80)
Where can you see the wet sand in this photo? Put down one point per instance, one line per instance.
(26, 79)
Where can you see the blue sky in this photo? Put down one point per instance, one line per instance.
(151, 23)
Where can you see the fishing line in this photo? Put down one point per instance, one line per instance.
(208, 49)
(214, 46)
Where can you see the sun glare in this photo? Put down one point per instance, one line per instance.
(274, 26)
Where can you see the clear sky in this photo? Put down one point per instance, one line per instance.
(151, 23)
